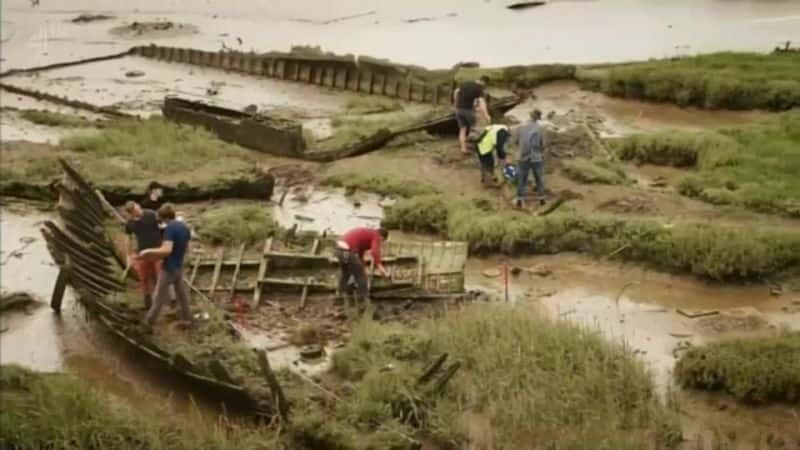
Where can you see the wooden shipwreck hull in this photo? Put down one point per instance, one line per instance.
(81, 243)
(283, 137)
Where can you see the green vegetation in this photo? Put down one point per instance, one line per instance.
(752, 370)
(386, 186)
(594, 172)
(524, 382)
(54, 119)
(712, 251)
(60, 411)
(754, 166)
(719, 80)
(131, 153)
(523, 77)
(237, 224)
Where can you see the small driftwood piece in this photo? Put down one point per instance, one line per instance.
(278, 398)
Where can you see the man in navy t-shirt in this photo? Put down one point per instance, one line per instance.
(173, 249)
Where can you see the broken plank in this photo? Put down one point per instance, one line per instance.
(262, 272)
(194, 270)
(236, 270)
(277, 393)
(695, 313)
(315, 246)
(217, 270)
(304, 294)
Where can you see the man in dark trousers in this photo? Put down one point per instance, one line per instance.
(468, 99)
(172, 250)
(350, 253)
(143, 226)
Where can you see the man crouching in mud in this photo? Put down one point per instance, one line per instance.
(172, 250)
(468, 98)
(350, 253)
(143, 225)
(492, 138)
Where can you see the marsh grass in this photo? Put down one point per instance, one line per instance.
(708, 250)
(753, 166)
(536, 382)
(718, 81)
(594, 172)
(385, 186)
(60, 411)
(756, 370)
(54, 119)
(519, 77)
(237, 224)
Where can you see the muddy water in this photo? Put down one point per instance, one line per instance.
(565, 31)
(328, 210)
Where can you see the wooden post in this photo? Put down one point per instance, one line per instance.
(304, 294)
(58, 291)
(262, 271)
(217, 270)
(236, 270)
(277, 393)
(194, 270)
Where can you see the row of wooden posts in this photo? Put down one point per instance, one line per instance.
(367, 78)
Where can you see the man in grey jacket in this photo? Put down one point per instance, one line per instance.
(530, 142)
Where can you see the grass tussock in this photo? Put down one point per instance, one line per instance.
(525, 382)
(54, 119)
(752, 370)
(594, 172)
(710, 251)
(753, 166)
(60, 411)
(719, 81)
(155, 149)
(237, 224)
(385, 186)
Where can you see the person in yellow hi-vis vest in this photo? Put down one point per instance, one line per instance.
(492, 138)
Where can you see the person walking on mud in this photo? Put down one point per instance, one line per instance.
(143, 226)
(492, 139)
(350, 249)
(530, 141)
(172, 250)
(468, 99)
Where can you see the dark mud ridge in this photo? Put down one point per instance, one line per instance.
(254, 184)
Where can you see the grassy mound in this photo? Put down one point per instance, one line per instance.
(60, 411)
(519, 77)
(752, 370)
(54, 119)
(719, 80)
(133, 153)
(237, 224)
(386, 186)
(524, 382)
(594, 172)
(710, 251)
(754, 166)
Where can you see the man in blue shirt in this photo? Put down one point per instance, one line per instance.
(173, 249)
(530, 141)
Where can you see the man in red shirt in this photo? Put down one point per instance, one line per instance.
(350, 253)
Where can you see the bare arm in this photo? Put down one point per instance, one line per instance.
(455, 97)
(484, 110)
(161, 252)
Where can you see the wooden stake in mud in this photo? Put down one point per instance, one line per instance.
(277, 393)
(304, 295)
(58, 291)
(262, 271)
(217, 270)
(236, 270)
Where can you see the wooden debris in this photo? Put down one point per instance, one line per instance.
(695, 313)
(58, 291)
(236, 270)
(278, 399)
